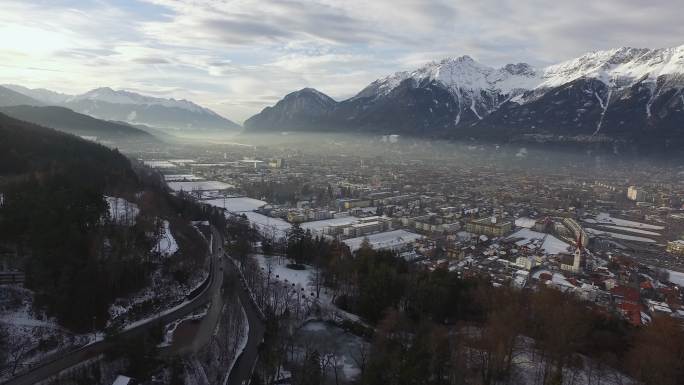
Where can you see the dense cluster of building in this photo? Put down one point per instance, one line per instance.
(613, 240)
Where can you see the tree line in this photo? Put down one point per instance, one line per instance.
(433, 327)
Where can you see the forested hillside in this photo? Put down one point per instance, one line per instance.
(56, 220)
(66, 120)
(53, 186)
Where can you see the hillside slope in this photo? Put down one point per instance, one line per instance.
(66, 120)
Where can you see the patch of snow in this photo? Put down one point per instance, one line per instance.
(604, 108)
(472, 108)
(547, 242)
(237, 205)
(122, 211)
(166, 245)
(280, 272)
(525, 222)
(275, 228)
(170, 329)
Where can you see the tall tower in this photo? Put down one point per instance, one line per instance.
(578, 255)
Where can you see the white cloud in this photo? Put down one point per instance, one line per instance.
(237, 56)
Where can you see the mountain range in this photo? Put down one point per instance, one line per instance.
(620, 98)
(105, 103)
(66, 120)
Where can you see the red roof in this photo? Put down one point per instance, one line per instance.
(632, 312)
(628, 294)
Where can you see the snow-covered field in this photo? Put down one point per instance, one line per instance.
(202, 185)
(122, 211)
(269, 227)
(236, 205)
(301, 279)
(534, 239)
(280, 272)
(166, 246)
(619, 236)
(335, 346)
(394, 239)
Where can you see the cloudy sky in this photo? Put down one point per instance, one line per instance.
(237, 56)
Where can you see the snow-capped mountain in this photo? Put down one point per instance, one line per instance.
(622, 94)
(43, 95)
(620, 67)
(108, 95)
(474, 86)
(120, 105)
(10, 97)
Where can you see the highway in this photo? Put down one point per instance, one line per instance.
(53, 367)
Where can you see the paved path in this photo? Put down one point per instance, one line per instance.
(51, 368)
(242, 370)
(202, 332)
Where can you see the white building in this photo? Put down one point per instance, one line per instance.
(635, 194)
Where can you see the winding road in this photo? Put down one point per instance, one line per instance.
(244, 366)
(53, 367)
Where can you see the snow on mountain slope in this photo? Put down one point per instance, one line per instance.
(119, 105)
(617, 67)
(41, 94)
(461, 74)
(106, 94)
(477, 89)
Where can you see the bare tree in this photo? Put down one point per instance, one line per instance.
(18, 346)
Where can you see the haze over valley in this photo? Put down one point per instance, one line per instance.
(327, 193)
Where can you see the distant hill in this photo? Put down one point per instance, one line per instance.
(28, 148)
(10, 97)
(171, 115)
(66, 120)
(306, 109)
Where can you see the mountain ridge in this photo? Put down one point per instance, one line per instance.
(65, 120)
(131, 107)
(615, 94)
